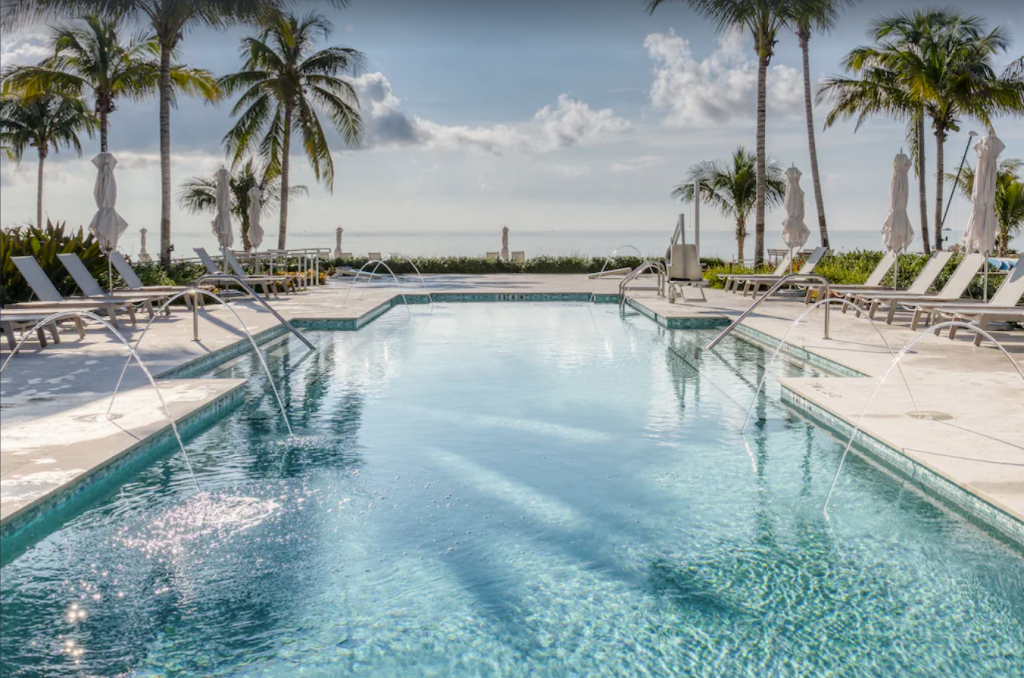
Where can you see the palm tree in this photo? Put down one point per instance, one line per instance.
(940, 63)
(731, 188)
(88, 56)
(815, 16)
(285, 81)
(1009, 198)
(199, 194)
(169, 20)
(764, 19)
(45, 123)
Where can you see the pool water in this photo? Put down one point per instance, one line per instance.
(513, 490)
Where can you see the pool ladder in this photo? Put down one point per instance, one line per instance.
(656, 266)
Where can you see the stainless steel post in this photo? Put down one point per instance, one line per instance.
(195, 316)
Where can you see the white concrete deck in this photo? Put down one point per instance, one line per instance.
(980, 449)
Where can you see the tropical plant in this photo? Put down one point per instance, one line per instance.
(1009, 198)
(199, 194)
(284, 82)
(46, 123)
(89, 57)
(815, 16)
(731, 188)
(764, 19)
(169, 20)
(44, 244)
(927, 64)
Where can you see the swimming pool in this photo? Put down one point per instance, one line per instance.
(512, 490)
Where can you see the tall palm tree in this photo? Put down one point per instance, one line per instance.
(169, 20)
(764, 19)
(943, 64)
(45, 123)
(89, 57)
(731, 188)
(1009, 198)
(286, 82)
(198, 194)
(815, 16)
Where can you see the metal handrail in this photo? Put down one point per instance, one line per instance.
(783, 280)
(643, 268)
(252, 293)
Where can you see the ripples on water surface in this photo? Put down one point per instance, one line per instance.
(512, 490)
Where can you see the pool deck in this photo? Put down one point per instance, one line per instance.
(978, 449)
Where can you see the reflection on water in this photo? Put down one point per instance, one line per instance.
(512, 490)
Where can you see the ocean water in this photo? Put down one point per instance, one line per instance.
(714, 243)
(513, 490)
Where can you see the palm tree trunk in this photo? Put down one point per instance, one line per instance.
(922, 189)
(805, 37)
(741, 236)
(940, 141)
(282, 235)
(762, 76)
(165, 153)
(103, 129)
(39, 189)
(246, 244)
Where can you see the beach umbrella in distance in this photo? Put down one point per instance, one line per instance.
(107, 225)
(255, 209)
(337, 247)
(794, 231)
(222, 221)
(144, 256)
(505, 256)
(980, 234)
(897, 233)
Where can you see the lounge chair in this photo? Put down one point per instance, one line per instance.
(922, 282)
(874, 281)
(1002, 307)
(12, 321)
(90, 288)
(755, 283)
(951, 291)
(277, 279)
(519, 256)
(732, 281)
(268, 284)
(51, 300)
(133, 282)
(492, 256)
(375, 256)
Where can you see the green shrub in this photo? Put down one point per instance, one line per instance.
(44, 244)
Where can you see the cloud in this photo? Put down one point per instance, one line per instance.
(26, 45)
(636, 164)
(565, 124)
(568, 171)
(721, 89)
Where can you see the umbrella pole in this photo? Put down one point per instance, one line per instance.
(896, 273)
(110, 275)
(984, 291)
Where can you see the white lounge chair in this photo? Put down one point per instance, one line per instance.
(50, 298)
(268, 284)
(754, 284)
(1002, 307)
(951, 291)
(16, 320)
(90, 288)
(278, 279)
(732, 281)
(134, 283)
(873, 282)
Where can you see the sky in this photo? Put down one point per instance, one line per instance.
(572, 116)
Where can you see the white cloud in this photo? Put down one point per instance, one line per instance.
(26, 45)
(568, 171)
(720, 89)
(637, 164)
(562, 125)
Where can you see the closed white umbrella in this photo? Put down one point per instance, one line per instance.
(222, 221)
(505, 256)
(337, 247)
(255, 210)
(107, 225)
(982, 227)
(794, 231)
(897, 233)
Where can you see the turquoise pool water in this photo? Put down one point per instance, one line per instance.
(512, 490)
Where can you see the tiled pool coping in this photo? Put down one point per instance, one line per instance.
(21, 526)
(930, 483)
